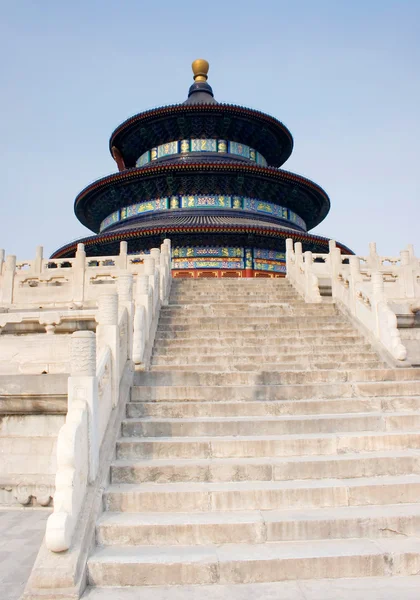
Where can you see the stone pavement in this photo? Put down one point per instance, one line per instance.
(21, 533)
(369, 588)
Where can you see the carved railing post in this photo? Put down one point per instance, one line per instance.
(142, 318)
(386, 320)
(37, 264)
(125, 289)
(150, 271)
(83, 386)
(167, 244)
(373, 260)
(165, 271)
(298, 253)
(331, 247)
(108, 335)
(335, 267)
(355, 277)
(125, 300)
(290, 259)
(79, 269)
(8, 280)
(312, 293)
(407, 275)
(123, 258)
(411, 252)
(299, 268)
(155, 253)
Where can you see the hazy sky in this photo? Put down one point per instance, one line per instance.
(343, 76)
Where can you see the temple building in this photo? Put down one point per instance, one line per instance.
(206, 175)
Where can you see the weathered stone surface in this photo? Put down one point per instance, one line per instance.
(267, 443)
(372, 588)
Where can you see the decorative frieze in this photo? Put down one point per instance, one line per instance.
(201, 145)
(204, 201)
(216, 257)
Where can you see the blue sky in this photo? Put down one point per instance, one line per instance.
(343, 76)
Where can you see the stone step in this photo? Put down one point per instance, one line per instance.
(234, 300)
(266, 469)
(233, 283)
(242, 321)
(291, 342)
(260, 310)
(214, 329)
(272, 307)
(311, 444)
(222, 426)
(240, 366)
(245, 297)
(218, 393)
(204, 302)
(224, 290)
(273, 378)
(251, 318)
(249, 563)
(365, 588)
(255, 324)
(270, 346)
(259, 359)
(263, 334)
(255, 318)
(258, 527)
(276, 348)
(278, 351)
(261, 495)
(230, 297)
(266, 295)
(194, 303)
(175, 410)
(236, 283)
(281, 282)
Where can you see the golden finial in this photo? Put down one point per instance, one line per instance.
(200, 69)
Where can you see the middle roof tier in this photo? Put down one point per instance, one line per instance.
(201, 176)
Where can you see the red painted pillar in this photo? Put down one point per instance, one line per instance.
(249, 263)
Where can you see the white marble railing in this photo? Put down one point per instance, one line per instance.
(300, 270)
(126, 322)
(367, 287)
(70, 282)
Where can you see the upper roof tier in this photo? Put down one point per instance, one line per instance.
(200, 116)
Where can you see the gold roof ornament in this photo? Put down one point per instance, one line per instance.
(200, 69)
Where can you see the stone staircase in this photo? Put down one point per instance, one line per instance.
(267, 453)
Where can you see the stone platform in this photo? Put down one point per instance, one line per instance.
(21, 533)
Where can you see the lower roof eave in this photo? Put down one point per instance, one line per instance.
(107, 244)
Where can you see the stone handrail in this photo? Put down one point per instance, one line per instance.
(75, 282)
(300, 269)
(75, 445)
(98, 363)
(366, 292)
